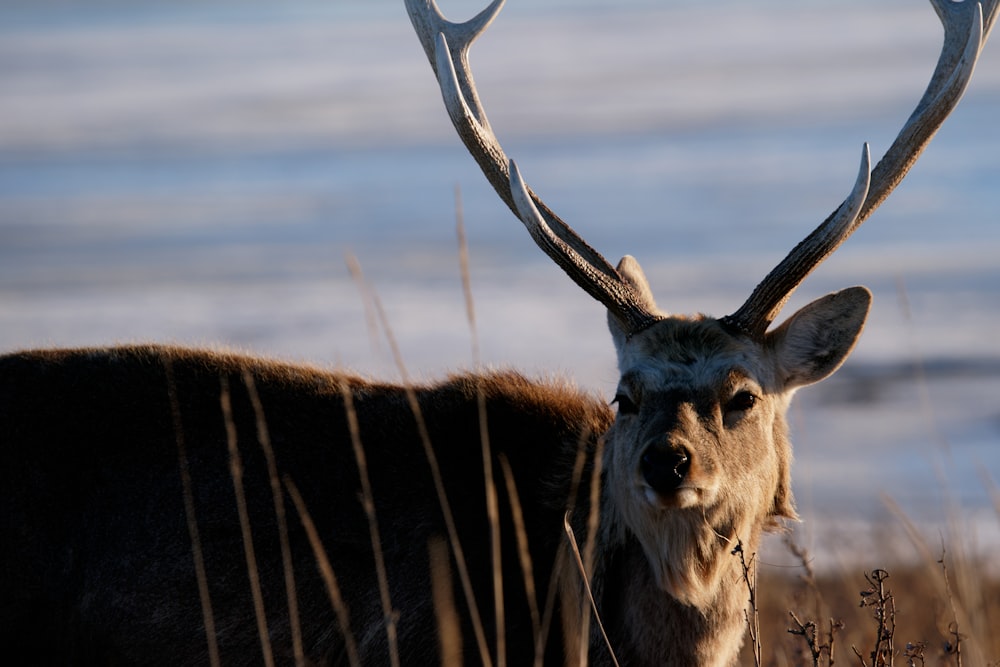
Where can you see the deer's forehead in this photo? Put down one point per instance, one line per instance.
(707, 373)
(689, 349)
(694, 354)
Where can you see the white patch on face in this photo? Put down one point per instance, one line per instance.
(689, 496)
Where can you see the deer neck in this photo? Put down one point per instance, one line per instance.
(707, 635)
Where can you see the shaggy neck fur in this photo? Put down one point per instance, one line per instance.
(675, 597)
(709, 635)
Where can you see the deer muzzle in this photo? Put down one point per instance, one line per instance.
(664, 468)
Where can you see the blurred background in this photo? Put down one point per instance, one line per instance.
(196, 173)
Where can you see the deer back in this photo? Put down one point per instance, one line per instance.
(97, 537)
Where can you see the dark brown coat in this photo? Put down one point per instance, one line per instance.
(97, 565)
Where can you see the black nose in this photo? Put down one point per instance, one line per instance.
(663, 468)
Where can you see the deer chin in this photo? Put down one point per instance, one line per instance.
(687, 551)
(686, 557)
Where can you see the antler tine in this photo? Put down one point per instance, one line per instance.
(447, 47)
(768, 298)
(965, 33)
(966, 27)
(614, 293)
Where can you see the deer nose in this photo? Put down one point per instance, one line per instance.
(664, 468)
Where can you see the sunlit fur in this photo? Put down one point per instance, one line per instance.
(98, 555)
(681, 374)
(96, 564)
(678, 381)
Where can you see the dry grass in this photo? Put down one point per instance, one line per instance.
(944, 611)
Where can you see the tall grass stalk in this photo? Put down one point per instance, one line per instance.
(368, 503)
(449, 628)
(523, 552)
(264, 440)
(492, 506)
(411, 396)
(326, 571)
(236, 471)
(191, 517)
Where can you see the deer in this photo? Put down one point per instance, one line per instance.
(167, 505)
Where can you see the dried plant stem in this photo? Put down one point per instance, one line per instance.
(493, 516)
(561, 556)
(590, 546)
(236, 471)
(326, 571)
(954, 647)
(523, 553)
(492, 505)
(192, 520)
(368, 503)
(425, 439)
(807, 631)
(751, 614)
(449, 628)
(878, 597)
(586, 585)
(961, 616)
(264, 439)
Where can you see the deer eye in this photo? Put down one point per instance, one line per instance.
(626, 406)
(741, 402)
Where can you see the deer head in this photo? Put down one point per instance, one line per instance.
(698, 456)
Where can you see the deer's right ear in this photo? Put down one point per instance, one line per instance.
(631, 273)
(816, 340)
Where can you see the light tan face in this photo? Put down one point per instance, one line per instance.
(697, 410)
(699, 456)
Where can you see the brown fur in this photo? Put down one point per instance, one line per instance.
(97, 563)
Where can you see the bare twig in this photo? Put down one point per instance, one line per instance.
(914, 654)
(750, 614)
(817, 644)
(878, 598)
(810, 633)
(953, 647)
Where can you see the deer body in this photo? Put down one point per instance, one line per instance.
(145, 488)
(97, 562)
(100, 559)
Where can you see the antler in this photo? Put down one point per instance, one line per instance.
(447, 47)
(966, 26)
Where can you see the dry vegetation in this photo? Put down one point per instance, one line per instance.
(937, 610)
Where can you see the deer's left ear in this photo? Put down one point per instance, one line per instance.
(632, 274)
(815, 341)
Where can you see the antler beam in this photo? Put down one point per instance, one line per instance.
(966, 26)
(447, 47)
